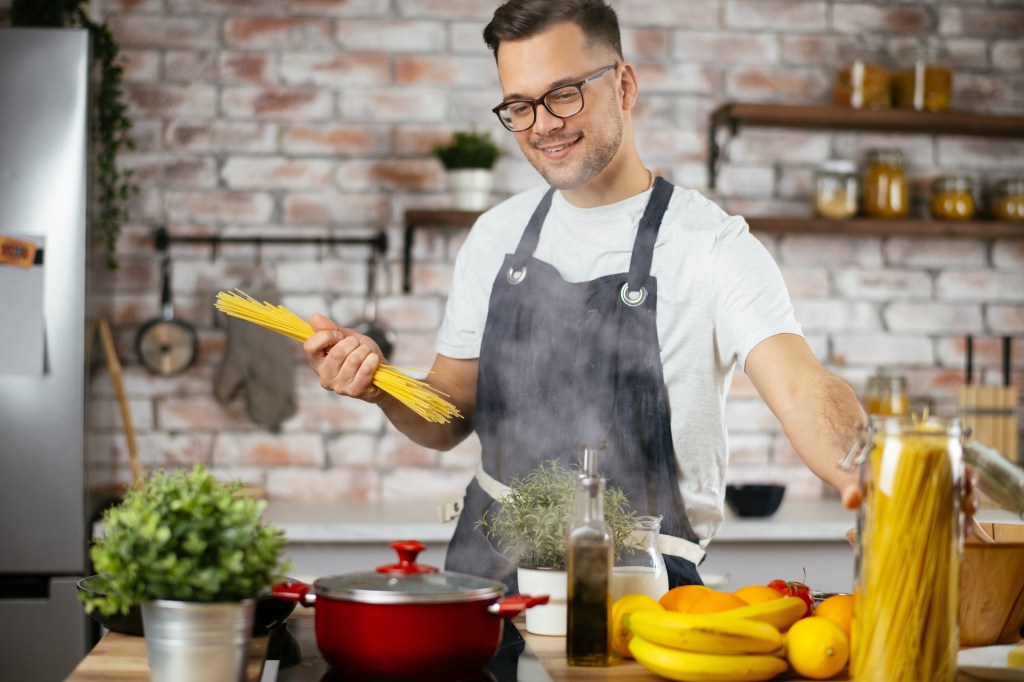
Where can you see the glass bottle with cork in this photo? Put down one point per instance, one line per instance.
(589, 572)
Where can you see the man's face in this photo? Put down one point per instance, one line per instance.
(567, 152)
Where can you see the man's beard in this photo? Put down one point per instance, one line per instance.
(586, 170)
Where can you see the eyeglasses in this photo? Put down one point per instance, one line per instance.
(564, 101)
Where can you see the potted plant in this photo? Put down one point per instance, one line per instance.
(531, 525)
(469, 160)
(194, 553)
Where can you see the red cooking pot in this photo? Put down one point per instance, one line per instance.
(407, 620)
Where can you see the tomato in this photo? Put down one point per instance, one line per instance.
(794, 589)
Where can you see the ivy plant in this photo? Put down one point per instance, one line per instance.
(184, 536)
(111, 129)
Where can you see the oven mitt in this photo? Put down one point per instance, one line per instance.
(259, 362)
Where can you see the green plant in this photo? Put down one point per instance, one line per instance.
(111, 129)
(184, 536)
(468, 149)
(530, 525)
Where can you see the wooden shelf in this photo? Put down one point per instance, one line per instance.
(415, 219)
(871, 227)
(817, 117)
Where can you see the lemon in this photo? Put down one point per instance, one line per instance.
(817, 648)
(623, 606)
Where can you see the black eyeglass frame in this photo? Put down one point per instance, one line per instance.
(543, 99)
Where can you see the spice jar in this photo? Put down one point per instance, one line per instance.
(835, 190)
(886, 394)
(886, 194)
(953, 198)
(863, 80)
(641, 570)
(909, 550)
(1008, 200)
(924, 80)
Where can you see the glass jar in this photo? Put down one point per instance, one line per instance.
(924, 79)
(641, 571)
(886, 194)
(863, 80)
(1008, 200)
(908, 551)
(953, 198)
(836, 190)
(886, 394)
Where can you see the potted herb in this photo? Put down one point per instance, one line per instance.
(530, 526)
(194, 553)
(469, 160)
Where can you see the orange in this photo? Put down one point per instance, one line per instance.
(817, 648)
(839, 609)
(715, 602)
(681, 598)
(757, 594)
(623, 606)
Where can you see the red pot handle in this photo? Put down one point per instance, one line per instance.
(407, 550)
(510, 607)
(295, 590)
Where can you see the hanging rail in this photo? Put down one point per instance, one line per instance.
(163, 239)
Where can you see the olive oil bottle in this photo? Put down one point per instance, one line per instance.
(590, 569)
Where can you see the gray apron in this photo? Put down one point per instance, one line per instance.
(564, 363)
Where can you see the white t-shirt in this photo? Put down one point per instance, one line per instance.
(719, 295)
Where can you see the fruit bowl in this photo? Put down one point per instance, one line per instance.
(754, 499)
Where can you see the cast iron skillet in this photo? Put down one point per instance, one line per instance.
(369, 326)
(166, 346)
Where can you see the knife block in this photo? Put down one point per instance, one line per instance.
(991, 414)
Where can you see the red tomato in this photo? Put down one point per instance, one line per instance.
(794, 589)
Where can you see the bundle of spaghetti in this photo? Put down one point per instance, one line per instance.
(419, 396)
(905, 614)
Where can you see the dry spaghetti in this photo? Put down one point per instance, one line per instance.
(905, 617)
(419, 396)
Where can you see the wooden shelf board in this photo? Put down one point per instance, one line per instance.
(868, 227)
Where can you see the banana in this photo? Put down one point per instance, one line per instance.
(781, 613)
(710, 633)
(687, 666)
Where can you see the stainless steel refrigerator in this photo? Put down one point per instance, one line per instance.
(44, 510)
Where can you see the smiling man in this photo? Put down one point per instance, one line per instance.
(609, 310)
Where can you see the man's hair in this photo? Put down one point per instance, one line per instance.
(520, 19)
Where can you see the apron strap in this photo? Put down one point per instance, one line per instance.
(531, 235)
(667, 544)
(647, 233)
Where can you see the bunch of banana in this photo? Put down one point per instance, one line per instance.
(740, 645)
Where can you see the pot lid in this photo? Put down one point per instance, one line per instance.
(408, 582)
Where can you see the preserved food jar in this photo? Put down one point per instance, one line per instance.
(642, 570)
(953, 198)
(863, 80)
(1008, 200)
(924, 79)
(909, 549)
(886, 194)
(886, 395)
(836, 190)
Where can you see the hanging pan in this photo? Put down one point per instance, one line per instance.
(166, 346)
(369, 326)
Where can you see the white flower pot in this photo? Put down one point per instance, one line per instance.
(193, 642)
(551, 618)
(470, 188)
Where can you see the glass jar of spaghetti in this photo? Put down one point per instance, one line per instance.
(953, 197)
(909, 548)
(1008, 200)
(886, 194)
(924, 80)
(863, 80)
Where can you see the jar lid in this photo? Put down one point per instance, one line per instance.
(1010, 186)
(839, 166)
(408, 583)
(885, 156)
(953, 183)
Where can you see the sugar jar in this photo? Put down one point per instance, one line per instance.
(836, 189)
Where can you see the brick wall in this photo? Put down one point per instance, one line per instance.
(307, 117)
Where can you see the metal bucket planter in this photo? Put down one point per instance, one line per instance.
(194, 642)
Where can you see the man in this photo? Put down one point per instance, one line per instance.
(609, 310)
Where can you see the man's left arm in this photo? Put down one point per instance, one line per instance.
(818, 410)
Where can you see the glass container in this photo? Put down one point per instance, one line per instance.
(924, 80)
(886, 193)
(953, 198)
(836, 190)
(886, 394)
(863, 80)
(1008, 200)
(641, 571)
(588, 635)
(909, 548)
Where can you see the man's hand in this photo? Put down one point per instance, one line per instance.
(344, 359)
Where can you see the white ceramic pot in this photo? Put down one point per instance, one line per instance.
(551, 618)
(188, 641)
(470, 188)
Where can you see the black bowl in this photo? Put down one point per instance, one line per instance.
(754, 499)
(269, 612)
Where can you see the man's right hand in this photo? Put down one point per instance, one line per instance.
(344, 359)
